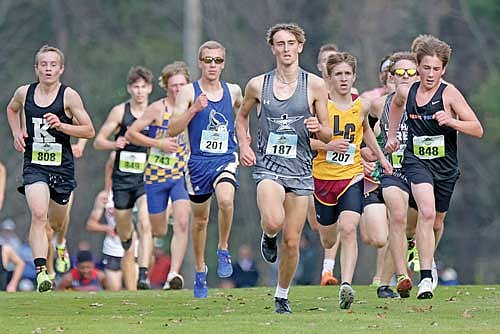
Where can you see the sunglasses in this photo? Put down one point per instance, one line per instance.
(401, 72)
(209, 60)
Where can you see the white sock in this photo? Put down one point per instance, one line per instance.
(62, 245)
(270, 235)
(328, 265)
(171, 275)
(281, 293)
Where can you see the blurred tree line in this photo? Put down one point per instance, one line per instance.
(102, 39)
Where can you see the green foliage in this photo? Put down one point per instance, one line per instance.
(486, 102)
(486, 9)
(315, 310)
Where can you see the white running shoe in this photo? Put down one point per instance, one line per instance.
(435, 277)
(346, 296)
(425, 289)
(174, 282)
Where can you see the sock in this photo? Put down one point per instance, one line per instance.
(281, 293)
(40, 264)
(425, 273)
(328, 265)
(270, 235)
(171, 275)
(61, 245)
(143, 272)
(346, 283)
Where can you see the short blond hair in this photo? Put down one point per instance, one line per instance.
(212, 45)
(293, 28)
(401, 55)
(177, 67)
(47, 48)
(340, 57)
(330, 47)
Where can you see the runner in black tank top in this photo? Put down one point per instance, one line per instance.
(52, 113)
(431, 154)
(128, 171)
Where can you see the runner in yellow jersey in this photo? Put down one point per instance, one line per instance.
(337, 169)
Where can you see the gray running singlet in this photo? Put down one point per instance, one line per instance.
(283, 147)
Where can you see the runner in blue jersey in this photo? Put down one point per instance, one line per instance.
(205, 108)
(291, 106)
(51, 113)
(436, 111)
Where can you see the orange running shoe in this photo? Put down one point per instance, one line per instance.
(328, 279)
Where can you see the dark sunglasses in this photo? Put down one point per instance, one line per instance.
(209, 60)
(401, 72)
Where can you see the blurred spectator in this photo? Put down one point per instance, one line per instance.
(161, 266)
(448, 276)
(9, 282)
(3, 181)
(8, 234)
(306, 270)
(29, 273)
(85, 277)
(245, 273)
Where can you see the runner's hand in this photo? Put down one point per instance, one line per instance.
(338, 145)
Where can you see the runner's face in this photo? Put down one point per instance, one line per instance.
(174, 85)
(430, 70)
(139, 90)
(342, 79)
(286, 48)
(322, 63)
(405, 79)
(49, 68)
(211, 71)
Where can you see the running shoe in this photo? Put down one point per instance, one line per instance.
(224, 266)
(282, 306)
(346, 296)
(328, 279)
(404, 286)
(62, 263)
(143, 282)
(384, 291)
(375, 282)
(425, 289)
(412, 256)
(43, 282)
(269, 248)
(435, 276)
(174, 282)
(200, 288)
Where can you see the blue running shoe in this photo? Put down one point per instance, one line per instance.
(200, 288)
(224, 266)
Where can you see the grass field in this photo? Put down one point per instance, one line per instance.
(460, 309)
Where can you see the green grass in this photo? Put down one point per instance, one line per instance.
(461, 309)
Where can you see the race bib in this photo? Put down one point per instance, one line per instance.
(397, 157)
(214, 141)
(429, 147)
(282, 145)
(132, 162)
(48, 154)
(162, 159)
(343, 159)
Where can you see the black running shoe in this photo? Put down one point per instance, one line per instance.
(282, 306)
(385, 292)
(268, 248)
(126, 244)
